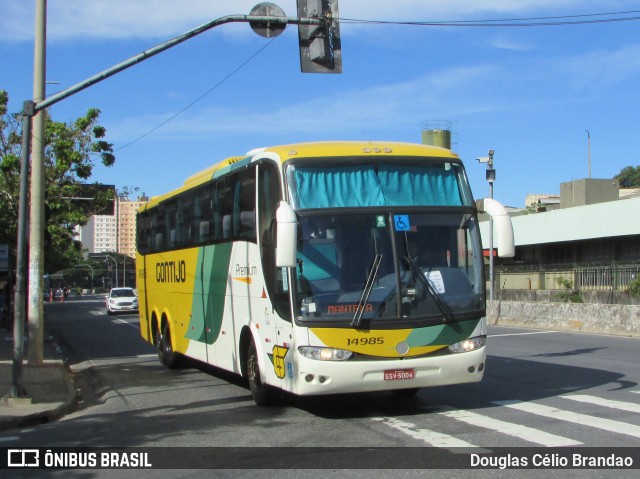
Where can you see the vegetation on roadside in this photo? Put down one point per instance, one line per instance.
(569, 294)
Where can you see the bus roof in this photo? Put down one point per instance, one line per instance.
(357, 148)
(319, 149)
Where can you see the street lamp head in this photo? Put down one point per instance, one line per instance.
(483, 159)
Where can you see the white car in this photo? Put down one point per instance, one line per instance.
(122, 299)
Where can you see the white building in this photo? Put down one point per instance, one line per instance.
(113, 233)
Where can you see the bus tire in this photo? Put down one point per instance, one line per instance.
(263, 395)
(166, 354)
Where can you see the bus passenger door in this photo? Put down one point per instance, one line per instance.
(272, 301)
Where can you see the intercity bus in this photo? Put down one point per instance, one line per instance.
(321, 268)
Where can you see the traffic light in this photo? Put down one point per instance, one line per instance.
(320, 50)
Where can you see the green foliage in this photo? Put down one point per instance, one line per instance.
(569, 294)
(71, 151)
(633, 288)
(629, 177)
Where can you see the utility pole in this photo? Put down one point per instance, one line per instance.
(36, 228)
(324, 15)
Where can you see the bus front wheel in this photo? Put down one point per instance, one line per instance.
(262, 394)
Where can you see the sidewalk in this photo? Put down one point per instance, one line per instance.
(49, 388)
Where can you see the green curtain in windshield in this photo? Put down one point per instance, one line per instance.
(337, 187)
(362, 185)
(419, 185)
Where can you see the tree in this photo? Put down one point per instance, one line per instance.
(629, 177)
(70, 154)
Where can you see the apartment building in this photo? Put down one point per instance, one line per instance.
(113, 233)
(126, 218)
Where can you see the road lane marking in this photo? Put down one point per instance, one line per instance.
(133, 325)
(525, 433)
(610, 403)
(520, 334)
(573, 417)
(433, 438)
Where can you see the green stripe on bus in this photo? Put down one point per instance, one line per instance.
(207, 308)
(443, 334)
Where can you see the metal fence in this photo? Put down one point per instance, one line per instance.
(602, 277)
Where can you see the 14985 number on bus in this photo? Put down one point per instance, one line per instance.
(364, 341)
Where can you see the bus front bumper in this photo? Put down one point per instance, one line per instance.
(336, 377)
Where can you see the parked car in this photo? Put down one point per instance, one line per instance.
(122, 299)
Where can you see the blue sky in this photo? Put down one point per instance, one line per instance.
(529, 93)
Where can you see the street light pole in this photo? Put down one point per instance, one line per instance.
(17, 389)
(116, 263)
(91, 268)
(589, 150)
(36, 226)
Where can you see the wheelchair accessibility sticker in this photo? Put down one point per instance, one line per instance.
(402, 222)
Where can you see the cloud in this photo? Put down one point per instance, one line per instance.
(460, 92)
(600, 69)
(374, 109)
(505, 43)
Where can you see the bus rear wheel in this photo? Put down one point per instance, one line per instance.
(262, 394)
(166, 354)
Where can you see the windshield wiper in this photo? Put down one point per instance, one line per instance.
(417, 274)
(366, 292)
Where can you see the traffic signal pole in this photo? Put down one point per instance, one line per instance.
(53, 99)
(30, 111)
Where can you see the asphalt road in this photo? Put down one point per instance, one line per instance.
(543, 390)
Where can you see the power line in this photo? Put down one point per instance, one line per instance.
(549, 21)
(201, 97)
(583, 19)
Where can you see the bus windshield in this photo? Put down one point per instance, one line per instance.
(389, 266)
(386, 242)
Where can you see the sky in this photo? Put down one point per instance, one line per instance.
(533, 94)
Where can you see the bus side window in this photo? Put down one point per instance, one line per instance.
(143, 236)
(157, 229)
(226, 226)
(196, 216)
(225, 207)
(170, 224)
(183, 220)
(213, 217)
(244, 217)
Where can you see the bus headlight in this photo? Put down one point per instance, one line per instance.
(468, 345)
(324, 354)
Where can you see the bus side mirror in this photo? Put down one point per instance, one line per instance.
(286, 236)
(502, 225)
